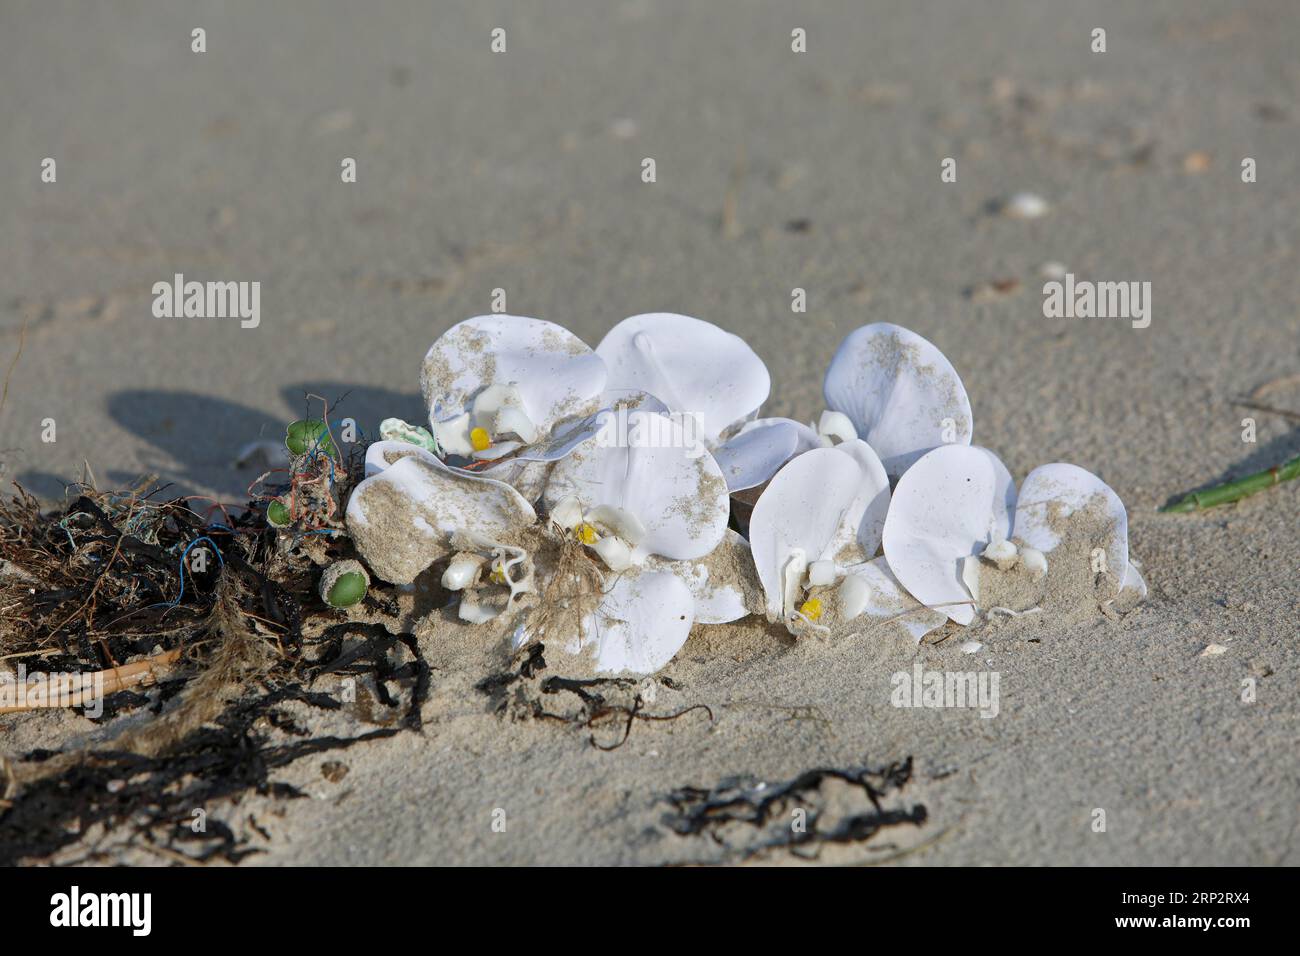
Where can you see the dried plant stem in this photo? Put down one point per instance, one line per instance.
(114, 679)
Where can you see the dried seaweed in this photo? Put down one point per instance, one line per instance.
(151, 802)
(759, 812)
(600, 700)
(105, 583)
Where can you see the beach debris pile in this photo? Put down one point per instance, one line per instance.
(606, 500)
(222, 626)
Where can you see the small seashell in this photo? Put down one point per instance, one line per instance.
(1025, 206)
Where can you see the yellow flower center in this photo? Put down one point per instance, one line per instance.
(811, 609)
(480, 439)
(586, 533)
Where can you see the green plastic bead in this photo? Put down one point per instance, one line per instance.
(349, 589)
(277, 515)
(308, 433)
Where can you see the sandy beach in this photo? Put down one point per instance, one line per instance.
(775, 171)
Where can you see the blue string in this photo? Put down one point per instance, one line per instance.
(220, 559)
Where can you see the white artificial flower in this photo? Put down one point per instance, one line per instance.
(656, 516)
(412, 510)
(505, 390)
(818, 524)
(885, 385)
(958, 503)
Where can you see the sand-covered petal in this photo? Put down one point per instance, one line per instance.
(556, 373)
(865, 516)
(950, 504)
(1133, 584)
(380, 455)
(692, 366)
(401, 519)
(871, 589)
(900, 392)
(811, 510)
(1060, 500)
(723, 582)
(760, 448)
(640, 623)
(660, 475)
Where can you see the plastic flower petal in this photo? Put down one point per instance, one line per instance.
(1061, 496)
(949, 505)
(722, 583)
(497, 383)
(640, 623)
(1133, 581)
(827, 505)
(651, 488)
(756, 452)
(692, 366)
(901, 394)
(870, 588)
(406, 514)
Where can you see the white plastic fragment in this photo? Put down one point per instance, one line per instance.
(1002, 553)
(1033, 561)
(821, 573)
(854, 595)
(834, 424)
(614, 552)
(462, 571)
(970, 575)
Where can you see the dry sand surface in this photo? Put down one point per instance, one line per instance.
(775, 170)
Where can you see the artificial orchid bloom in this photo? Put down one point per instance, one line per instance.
(655, 516)
(956, 512)
(813, 534)
(412, 510)
(697, 369)
(693, 367)
(504, 388)
(885, 385)
(899, 392)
